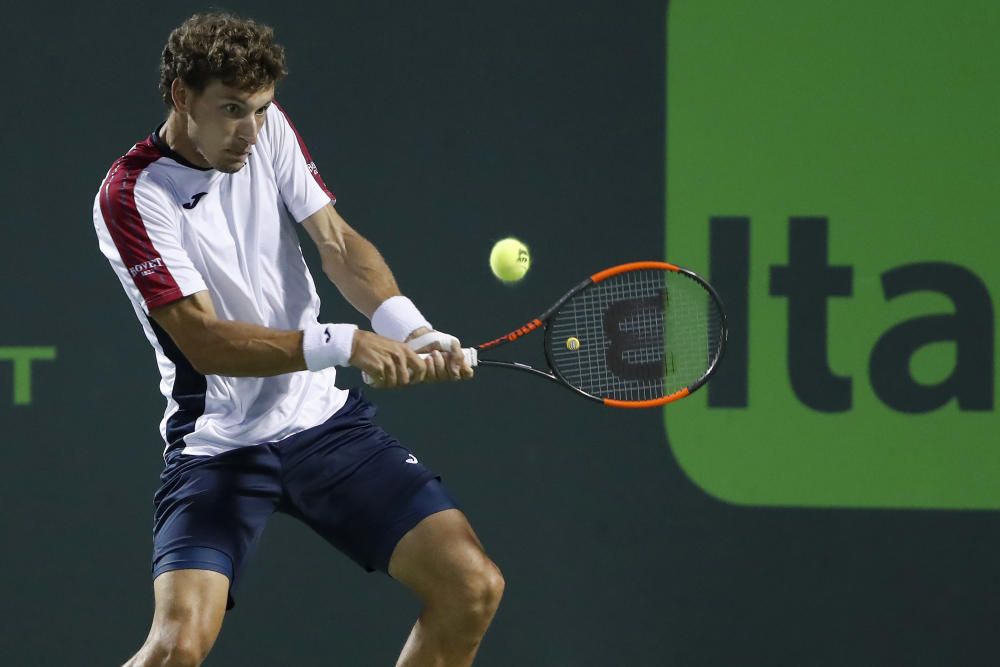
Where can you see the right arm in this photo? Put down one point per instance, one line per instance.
(241, 349)
(227, 347)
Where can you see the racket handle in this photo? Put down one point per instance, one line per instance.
(471, 355)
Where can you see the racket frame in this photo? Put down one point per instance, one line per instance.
(542, 322)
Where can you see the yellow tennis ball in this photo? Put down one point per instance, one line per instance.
(573, 343)
(510, 260)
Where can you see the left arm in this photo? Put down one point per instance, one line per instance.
(350, 261)
(352, 264)
(358, 270)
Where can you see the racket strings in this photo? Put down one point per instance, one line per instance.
(642, 335)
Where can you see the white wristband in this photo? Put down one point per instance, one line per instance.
(397, 318)
(325, 345)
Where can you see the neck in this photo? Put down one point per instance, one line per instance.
(174, 134)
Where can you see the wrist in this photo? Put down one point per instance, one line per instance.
(325, 345)
(417, 333)
(397, 318)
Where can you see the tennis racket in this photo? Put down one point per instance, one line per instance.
(637, 335)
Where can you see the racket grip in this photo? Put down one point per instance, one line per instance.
(471, 355)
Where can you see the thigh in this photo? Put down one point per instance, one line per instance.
(439, 550)
(190, 605)
(190, 601)
(210, 511)
(357, 486)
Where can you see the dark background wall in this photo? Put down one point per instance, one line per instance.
(442, 127)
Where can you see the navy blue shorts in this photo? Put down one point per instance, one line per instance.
(347, 479)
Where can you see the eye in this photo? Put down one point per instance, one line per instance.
(231, 109)
(262, 111)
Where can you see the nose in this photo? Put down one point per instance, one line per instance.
(247, 131)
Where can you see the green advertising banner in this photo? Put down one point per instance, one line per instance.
(832, 169)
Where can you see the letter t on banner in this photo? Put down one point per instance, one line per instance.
(22, 358)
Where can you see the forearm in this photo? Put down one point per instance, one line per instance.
(215, 346)
(360, 273)
(242, 349)
(357, 269)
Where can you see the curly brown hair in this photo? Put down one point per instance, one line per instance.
(239, 52)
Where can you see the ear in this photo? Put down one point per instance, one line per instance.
(180, 95)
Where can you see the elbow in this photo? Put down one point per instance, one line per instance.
(334, 249)
(202, 366)
(200, 360)
(203, 350)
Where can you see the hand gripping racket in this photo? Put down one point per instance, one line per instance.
(637, 335)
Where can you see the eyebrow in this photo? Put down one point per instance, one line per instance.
(233, 100)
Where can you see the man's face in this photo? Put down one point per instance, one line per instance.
(223, 123)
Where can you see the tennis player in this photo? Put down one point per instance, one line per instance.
(197, 220)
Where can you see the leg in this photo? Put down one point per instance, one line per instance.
(210, 511)
(190, 605)
(392, 514)
(443, 562)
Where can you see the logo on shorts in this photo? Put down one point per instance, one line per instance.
(411, 459)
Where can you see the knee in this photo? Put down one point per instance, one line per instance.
(185, 652)
(480, 590)
(178, 645)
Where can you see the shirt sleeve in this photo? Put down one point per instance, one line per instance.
(299, 181)
(140, 235)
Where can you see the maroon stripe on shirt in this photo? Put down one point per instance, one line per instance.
(128, 231)
(310, 163)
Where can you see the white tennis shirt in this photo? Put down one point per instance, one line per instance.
(171, 229)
